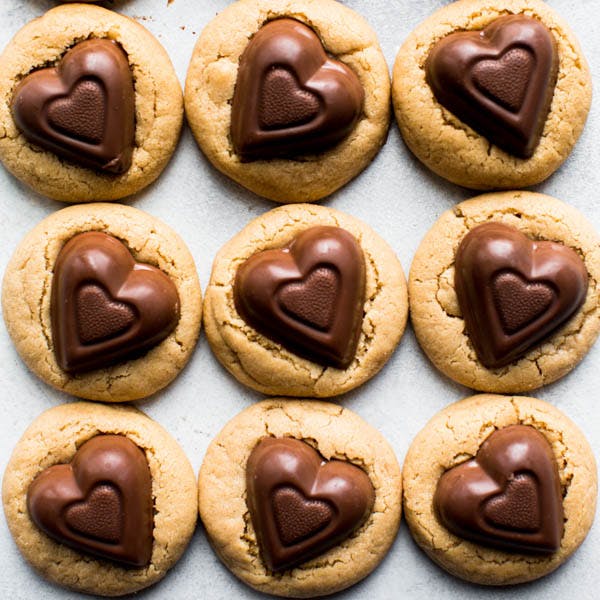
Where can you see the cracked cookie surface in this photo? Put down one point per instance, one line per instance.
(336, 433)
(451, 148)
(454, 436)
(158, 103)
(265, 365)
(53, 438)
(26, 299)
(211, 80)
(435, 313)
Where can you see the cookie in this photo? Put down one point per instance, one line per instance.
(492, 95)
(504, 291)
(300, 498)
(305, 301)
(288, 98)
(103, 302)
(99, 499)
(60, 75)
(499, 490)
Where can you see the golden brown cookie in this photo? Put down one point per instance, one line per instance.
(53, 439)
(306, 346)
(336, 434)
(158, 106)
(304, 174)
(453, 437)
(437, 317)
(129, 299)
(452, 148)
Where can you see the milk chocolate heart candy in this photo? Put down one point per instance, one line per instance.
(100, 503)
(290, 98)
(508, 496)
(513, 292)
(307, 296)
(83, 109)
(105, 307)
(500, 81)
(300, 504)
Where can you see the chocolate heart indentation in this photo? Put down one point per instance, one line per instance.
(105, 307)
(508, 496)
(300, 504)
(83, 109)
(308, 296)
(297, 517)
(283, 103)
(100, 503)
(290, 98)
(514, 292)
(499, 81)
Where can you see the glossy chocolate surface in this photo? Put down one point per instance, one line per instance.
(83, 109)
(499, 81)
(508, 496)
(513, 292)
(105, 307)
(307, 296)
(290, 98)
(300, 504)
(100, 503)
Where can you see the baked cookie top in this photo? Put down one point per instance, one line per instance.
(491, 77)
(214, 80)
(157, 105)
(436, 314)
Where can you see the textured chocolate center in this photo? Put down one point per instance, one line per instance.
(100, 516)
(298, 518)
(519, 302)
(505, 80)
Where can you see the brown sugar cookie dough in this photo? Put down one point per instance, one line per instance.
(54, 438)
(435, 310)
(300, 307)
(29, 287)
(452, 148)
(157, 98)
(211, 81)
(453, 437)
(336, 434)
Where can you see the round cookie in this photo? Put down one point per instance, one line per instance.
(158, 104)
(211, 81)
(449, 146)
(266, 365)
(53, 439)
(452, 437)
(336, 433)
(26, 301)
(435, 311)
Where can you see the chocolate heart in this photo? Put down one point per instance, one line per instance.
(508, 496)
(290, 98)
(513, 292)
(307, 296)
(499, 81)
(105, 307)
(83, 109)
(300, 504)
(100, 503)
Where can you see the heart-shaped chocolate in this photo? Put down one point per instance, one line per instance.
(300, 504)
(307, 296)
(508, 496)
(83, 109)
(499, 81)
(514, 292)
(100, 503)
(105, 307)
(290, 98)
